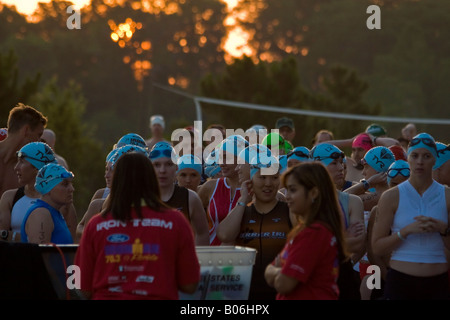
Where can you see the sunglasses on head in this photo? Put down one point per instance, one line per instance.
(21, 154)
(427, 141)
(392, 173)
(298, 153)
(335, 155)
(158, 153)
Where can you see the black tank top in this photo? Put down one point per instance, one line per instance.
(180, 201)
(267, 234)
(19, 194)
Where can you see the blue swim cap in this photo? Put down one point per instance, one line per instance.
(163, 149)
(379, 158)
(398, 167)
(443, 152)
(190, 161)
(326, 153)
(211, 166)
(49, 176)
(233, 144)
(133, 139)
(253, 151)
(299, 153)
(111, 155)
(37, 153)
(126, 149)
(268, 164)
(423, 140)
(283, 161)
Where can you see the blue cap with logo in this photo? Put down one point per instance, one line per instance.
(326, 153)
(126, 149)
(49, 176)
(37, 153)
(133, 139)
(443, 154)
(379, 158)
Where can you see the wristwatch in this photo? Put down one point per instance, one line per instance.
(446, 232)
(365, 184)
(4, 234)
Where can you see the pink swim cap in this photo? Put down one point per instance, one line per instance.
(3, 134)
(362, 141)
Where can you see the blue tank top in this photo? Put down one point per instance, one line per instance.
(61, 233)
(423, 247)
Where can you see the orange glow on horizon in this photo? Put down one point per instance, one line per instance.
(27, 7)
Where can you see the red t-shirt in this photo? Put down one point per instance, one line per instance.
(312, 258)
(145, 258)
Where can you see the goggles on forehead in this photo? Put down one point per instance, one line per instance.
(161, 153)
(62, 175)
(427, 141)
(393, 172)
(335, 155)
(298, 153)
(21, 154)
(260, 165)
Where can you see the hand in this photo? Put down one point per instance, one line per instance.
(379, 178)
(356, 229)
(429, 224)
(247, 191)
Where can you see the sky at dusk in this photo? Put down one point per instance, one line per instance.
(28, 6)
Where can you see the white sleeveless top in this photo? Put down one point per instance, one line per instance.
(18, 212)
(423, 247)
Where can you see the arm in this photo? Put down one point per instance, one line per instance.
(204, 192)
(188, 288)
(70, 216)
(5, 210)
(98, 194)
(381, 261)
(39, 226)
(356, 230)
(198, 220)
(435, 225)
(383, 242)
(230, 226)
(94, 208)
(358, 188)
(341, 143)
(385, 141)
(283, 284)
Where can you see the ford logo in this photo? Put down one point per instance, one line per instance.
(117, 237)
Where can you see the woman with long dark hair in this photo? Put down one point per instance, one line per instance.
(137, 248)
(308, 266)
